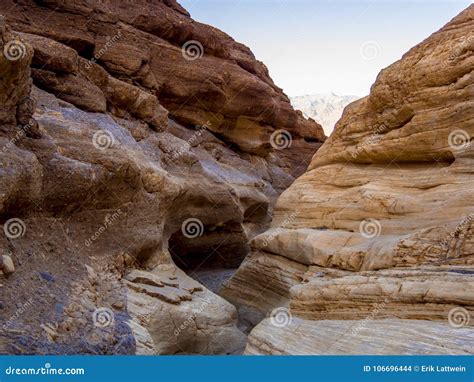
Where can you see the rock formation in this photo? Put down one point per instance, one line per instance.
(136, 143)
(132, 138)
(371, 251)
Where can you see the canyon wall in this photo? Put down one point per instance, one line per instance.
(132, 139)
(371, 251)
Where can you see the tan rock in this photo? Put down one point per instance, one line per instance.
(423, 294)
(268, 280)
(201, 324)
(143, 277)
(6, 265)
(377, 337)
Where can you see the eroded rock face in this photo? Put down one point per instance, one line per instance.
(381, 225)
(15, 74)
(302, 337)
(198, 73)
(178, 315)
(125, 158)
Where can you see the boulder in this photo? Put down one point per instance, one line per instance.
(6, 265)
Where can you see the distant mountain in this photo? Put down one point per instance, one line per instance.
(324, 108)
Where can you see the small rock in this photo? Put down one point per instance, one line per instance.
(91, 273)
(7, 265)
(50, 331)
(118, 305)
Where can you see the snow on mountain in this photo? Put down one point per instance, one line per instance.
(324, 108)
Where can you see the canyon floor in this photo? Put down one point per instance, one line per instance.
(160, 195)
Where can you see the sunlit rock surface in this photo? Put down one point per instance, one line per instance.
(384, 215)
(125, 150)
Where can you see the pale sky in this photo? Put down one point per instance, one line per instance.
(326, 46)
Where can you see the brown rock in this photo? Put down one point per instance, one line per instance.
(214, 89)
(72, 89)
(15, 73)
(136, 143)
(51, 55)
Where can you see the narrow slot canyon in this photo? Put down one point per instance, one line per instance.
(161, 200)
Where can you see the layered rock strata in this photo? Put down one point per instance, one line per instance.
(124, 155)
(381, 225)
